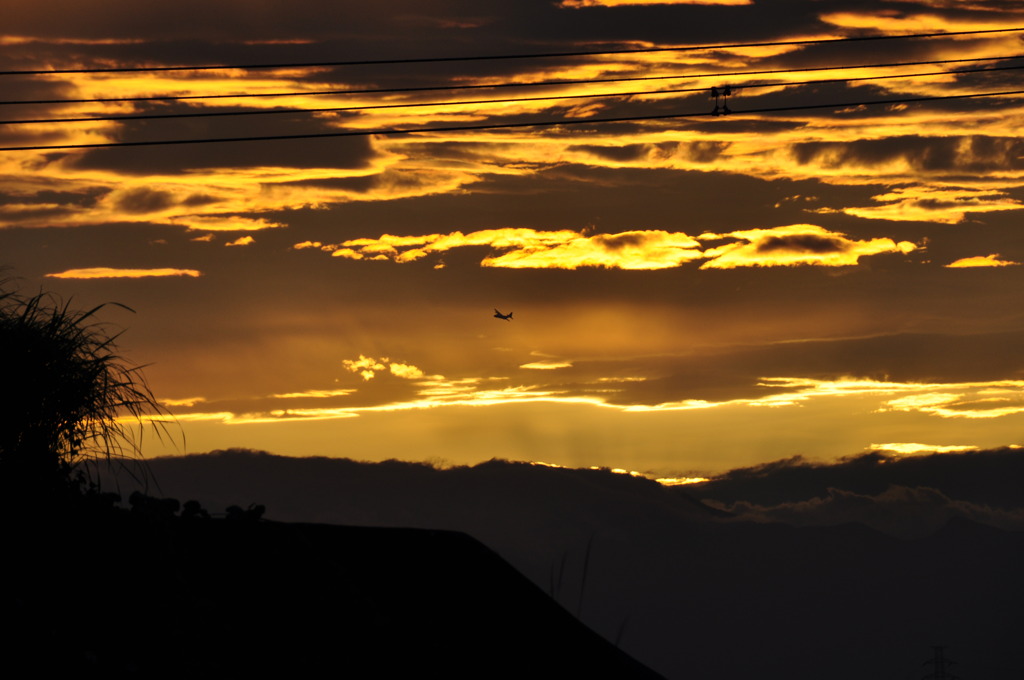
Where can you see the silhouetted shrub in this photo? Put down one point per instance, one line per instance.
(153, 507)
(193, 510)
(252, 514)
(66, 396)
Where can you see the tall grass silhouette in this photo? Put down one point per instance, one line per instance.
(68, 399)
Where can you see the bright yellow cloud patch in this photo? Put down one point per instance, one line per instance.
(317, 394)
(225, 223)
(1000, 399)
(797, 244)
(981, 261)
(368, 367)
(915, 449)
(187, 401)
(895, 22)
(407, 371)
(932, 204)
(547, 365)
(112, 273)
(241, 241)
(364, 366)
(533, 249)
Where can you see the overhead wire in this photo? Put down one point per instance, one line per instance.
(470, 102)
(501, 126)
(541, 55)
(541, 83)
(489, 126)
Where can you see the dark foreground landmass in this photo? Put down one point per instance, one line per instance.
(126, 595)
(856, 575)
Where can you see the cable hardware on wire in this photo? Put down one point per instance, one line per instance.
(502, 126)
(470, 102)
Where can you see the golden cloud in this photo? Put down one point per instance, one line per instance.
(966, 401)
(797, 244)
(680, 481)
(434, 163)
(241, 241)
(625, 250)
(915, 449)
(364, 366)
(188, 402)
(368, 367)
(225, 223)
(993, 400)
(896, 22)
(546, 365)
(932, 204)
(981, 261)
(113, 273)
(316, 394)
(407, 371)
(531, 248)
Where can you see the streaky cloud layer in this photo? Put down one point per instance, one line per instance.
(798, 244)
(114, 273)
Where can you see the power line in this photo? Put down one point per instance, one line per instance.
(541, 55)
(500, 126)
(469, 102)
(541, 83)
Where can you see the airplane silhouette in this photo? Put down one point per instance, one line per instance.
(499, 315)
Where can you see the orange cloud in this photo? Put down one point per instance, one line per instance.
(981, 261)
(896, 22)
(241, 241)
(797, 244)
(113, 273)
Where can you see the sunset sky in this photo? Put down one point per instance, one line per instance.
(812, 274)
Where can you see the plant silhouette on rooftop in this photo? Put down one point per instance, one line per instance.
(68, 399)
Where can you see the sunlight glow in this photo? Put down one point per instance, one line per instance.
(681, 481)
(913, 449)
